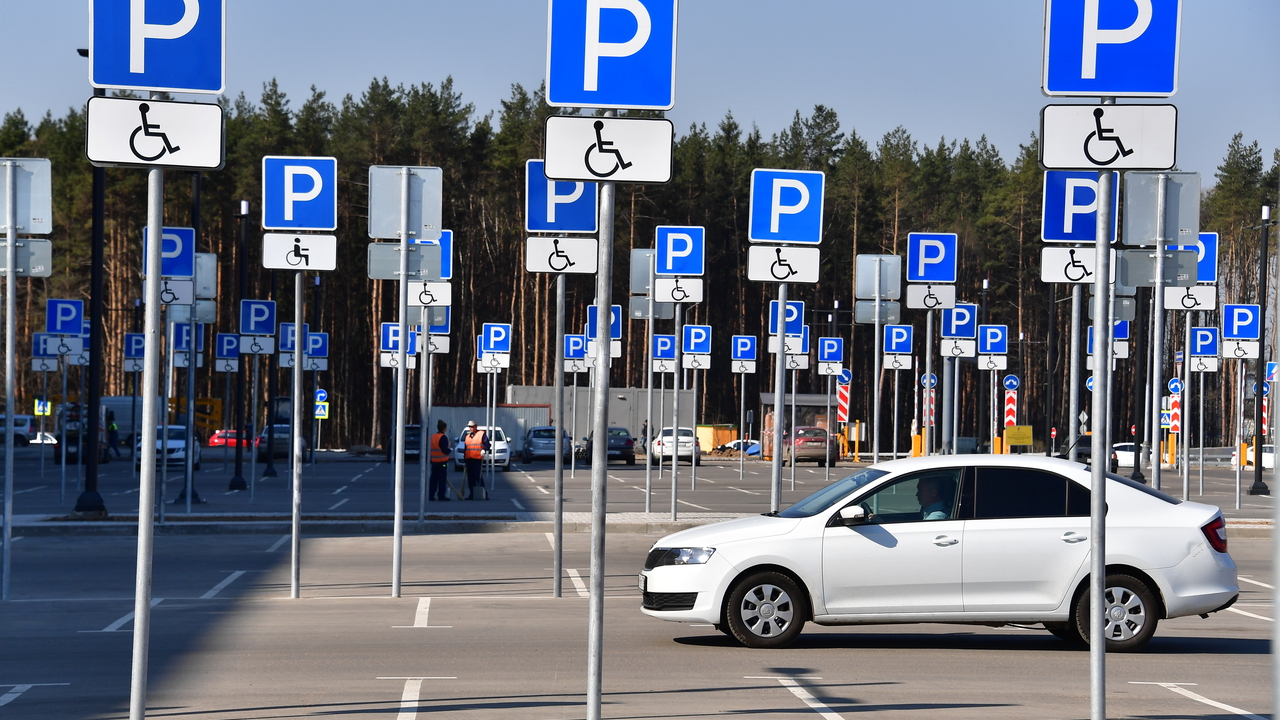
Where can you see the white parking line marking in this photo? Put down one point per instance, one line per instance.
(1255, 582)
(577, 582)
(551, 540)
(276, 546)
(127, 618)
(1249, 614)
(213, 592)
(682, 502)
(366, 472)
(753, 472)
(544, 490)
(231, 492)
(409, 698)
(420, 617)
(339, 503)
(517, 504)
(743, 491)
(16, 539)
(709, 480)
(811, 701)
(1176, 687)
(344, 487)
(17, 690)
(38, 487)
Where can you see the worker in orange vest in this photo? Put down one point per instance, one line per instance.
(475, 445)
(440, 448)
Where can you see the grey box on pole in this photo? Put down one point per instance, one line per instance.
(1181, 207)
(384, 261)
(640, 271)
(890, 277)
(34, 208)
(206, 276)
(35, 258)
(1138, 268)
(864, 311)
(425, 203)
(638, 309)
(1125, 308)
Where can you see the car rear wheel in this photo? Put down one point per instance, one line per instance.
(1129, 610)
(1067, 632)
(766, 610)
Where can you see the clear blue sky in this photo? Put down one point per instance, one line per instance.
(937, 67)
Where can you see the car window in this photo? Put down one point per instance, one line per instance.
(619, 432)
(811, 432)
(1013, 492)
(831, 494)
(927, 495)
(544, 434)
(1147, 489)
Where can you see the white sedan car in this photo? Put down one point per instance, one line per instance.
(987, 539)
(500, 449)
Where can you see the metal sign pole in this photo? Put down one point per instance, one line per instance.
(573, 431)
(955, 408)
(193, 362)
(1239, 427)
(875, 377)
(62, 431)
(150, 412)
(945, 446)
(743, 438)
(1157, 313)
(1200, 414)
(677, 384)
(779, 388)
(1073, 382)
(253, 431)
(84, 422)
(164, 415)
(926, 422)
(424, 411)
(600, 452)
(791, 446)
(1184, 426)
(10, 349)
(895, 415)
(558, 517)
(226, 416)
(300, 342)
(648, 391)
(1102, 332)
(44, 395)
(662, 415)
(693, 466)
(402, 378)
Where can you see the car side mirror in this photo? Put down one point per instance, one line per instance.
(853, 515)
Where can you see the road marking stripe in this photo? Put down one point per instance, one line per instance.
(344, 487)
(1249, 614)
(753, 472)
(551, 540)
(682, 502)
(366, 472)
(213, 592)
(743, 491)
(577, 582)
(38, 487)
(1255, 582)
(14, 539)
(1175, 687)
(276, 546)
(517, 504)
(810, 700)
(713, 482)
(544, 490)
(339, 503)
(409, 698)
(19, 689)
(231, 492)
(127, 618)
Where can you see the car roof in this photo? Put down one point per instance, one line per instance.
(938, 461)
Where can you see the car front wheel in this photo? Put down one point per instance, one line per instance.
(766, 610)
(1129, 612)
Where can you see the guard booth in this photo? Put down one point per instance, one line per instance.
(811, 411)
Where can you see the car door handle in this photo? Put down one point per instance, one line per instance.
(943, 541)
(1073, 537)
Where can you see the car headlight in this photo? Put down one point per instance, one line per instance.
(678, 556)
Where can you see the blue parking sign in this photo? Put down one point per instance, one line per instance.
(680, 250)
(1106, 49)
(557, 206)
(897, 339)
(993, 339)
(496, 338)
(786, 206)
(1206, 247)
(226, 346)
(664, 347)
(615, 322)
(177, 251)
(64, 317)
(1120, 330)
(575, 347)
(445, 241)
(162, 46)
(289, 336)
(744, 347)
(257, 317)
(1204, 342)
(1070, 206)
(697, 339)
(440, 320)
(931, 257)
(1241, 322)
(795, 317)
(831, 349)
(38, 348)
(612, 55)
(960, 321)
(299, 193)
(390, 338)
(318, 344)
(182, 337)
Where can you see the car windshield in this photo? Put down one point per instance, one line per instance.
(831, 494)
(547, 434)
(619, 432)
(684, 432)
(811, 432)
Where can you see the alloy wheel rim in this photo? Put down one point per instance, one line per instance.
(767, 610)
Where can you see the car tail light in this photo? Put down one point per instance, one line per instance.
(631, 443)
(1215, 531)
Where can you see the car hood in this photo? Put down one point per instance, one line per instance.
(748, 528)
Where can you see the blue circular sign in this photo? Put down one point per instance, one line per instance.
(846, 377)
(1175, 386)
(928, 381)
(322, 395)
(1266, 388)
(1011, 382)
(1089, 383)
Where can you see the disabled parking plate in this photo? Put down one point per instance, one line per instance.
(1114, 137)
(287, 251)
(155, 133)
(597, 149)
(561, 255)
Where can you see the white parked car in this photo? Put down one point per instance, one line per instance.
(499, 446)
(687, 447)
(988, 540)
(172, 450)
(1126, 452)
(1268, 456)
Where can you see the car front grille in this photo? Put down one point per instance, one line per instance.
(669, 601)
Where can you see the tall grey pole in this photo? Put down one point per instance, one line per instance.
(1073, 380)
(791, 448)
(945, 446)
(150, 411)
(1239, 426)
(826, 463)
(693, 466)
(1185, 425)
(928, 414)
(62, 430)
(895, 416)
(743, 438)
(875, 375)
(424, 412)
(1157, 344)
(1200, 417)
(1100, 453)
(164, 413)
(253, 426)
(558, 518)
(300, 343)
(573, 431)
(648, 392)
(10, 350)
(677, 383)
(662, 413)
(193, 361)
(1259, 427)
(402, 378)
(600, 454)
(955, 407)
(779, 390)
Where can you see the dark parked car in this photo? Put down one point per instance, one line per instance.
(621, 445)
(412, 443)
(540, 443)
(282, 440)
(1084, 448)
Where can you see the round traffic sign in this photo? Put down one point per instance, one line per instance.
(845, 377)
(1266, 388)
(322, 395)
(1053, 433)
(1089, 383)
(1010, 382)
(1175, 386)
(928, 381)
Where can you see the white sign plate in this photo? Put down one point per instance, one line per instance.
(576, 366)
(388, 360)
(897, 362)
(1088, 362)
(828, 368)
(635, 150)
(1071, 265)
(483, 369)
(682, 290)
(257, 345)
(561, 255)
(51, 365)
(223, 365)
(1120, 349)
(154, 133)
(437, 344)
(430, 294)
(993, 362)
(177, 292)
(615, 349)
(1203, 364)
(284, 251)
(931, 297)
(954, 347)
(695, 362)
(181, 360)
(1199, 297)
(777, 263)
(82, 359)
(315, 364)
(1119, 137)
(63, 345)
(797, 362)
(742, 366)
(1240, 349)
(659, 366)
(496, 360)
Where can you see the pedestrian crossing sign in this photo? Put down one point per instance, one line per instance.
(322, 411)
(43, 408)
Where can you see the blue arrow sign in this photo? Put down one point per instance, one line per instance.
(931, 257)
(743, 347)
(831, 349)
(624, 58)
(680, 250)
(845, 377)
(575, 347)
(1108, 49)
(322, 395)
(177, 251)
(1089, 384)
(993, 339)
(299, 193)
(1175, 386)
(553, 206)
(177, 47)
(1011, 382)
(786, 206)
(897, 339)
(928, 381)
